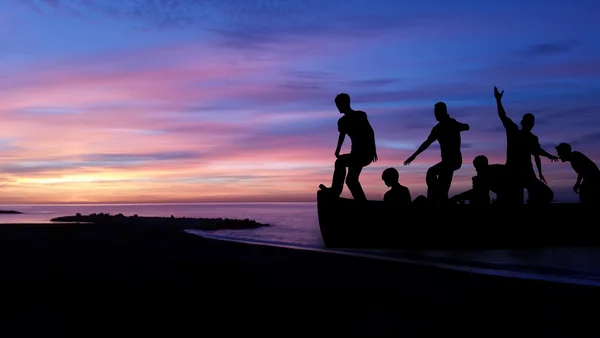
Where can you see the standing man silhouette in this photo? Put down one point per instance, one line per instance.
(447, 133)
(520, 145)
(363, 152)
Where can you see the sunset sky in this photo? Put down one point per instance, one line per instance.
(232, 100)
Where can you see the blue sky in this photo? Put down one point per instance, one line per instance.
(184, 100)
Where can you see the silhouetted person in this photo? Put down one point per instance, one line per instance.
(588, 175)
(363, 152)
(447, 133)
(420, 201)
(490, 177)
(398, 195)
(520, 145)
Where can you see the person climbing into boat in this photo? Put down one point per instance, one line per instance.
(520, 145)
(490, 177)
(363, 152)
(447, 133)
(398, 196)
(588, 174)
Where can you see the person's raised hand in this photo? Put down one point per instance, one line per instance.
(497, 94)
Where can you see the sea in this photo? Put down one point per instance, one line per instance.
(295, 225)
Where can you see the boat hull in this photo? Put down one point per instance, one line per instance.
(345, 223)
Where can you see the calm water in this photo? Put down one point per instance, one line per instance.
(296, 224)
(292, 222)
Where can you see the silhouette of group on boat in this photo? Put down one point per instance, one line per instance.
(508, 181)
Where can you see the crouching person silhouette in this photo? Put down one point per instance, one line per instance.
(490, 177)
(363, 152)
(588, 175)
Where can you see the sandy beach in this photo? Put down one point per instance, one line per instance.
(61, 278)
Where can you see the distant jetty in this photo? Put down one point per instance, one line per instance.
(10, 212)
(167, 222)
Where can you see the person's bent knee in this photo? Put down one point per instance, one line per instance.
(432, 173)
(340, 163)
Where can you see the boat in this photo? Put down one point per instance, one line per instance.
(350, 224)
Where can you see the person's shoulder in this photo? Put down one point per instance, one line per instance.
(577, 155)
(388, 195)
(360, 113)
(342, 119)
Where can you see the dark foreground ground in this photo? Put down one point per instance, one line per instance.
(89, 280)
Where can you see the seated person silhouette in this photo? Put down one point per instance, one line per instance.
(490, 177)
(363, 152)
(398, 195)
(521, 145)
(588, 175)
(447, 133)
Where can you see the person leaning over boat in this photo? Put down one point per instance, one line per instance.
(363, 151)
(490, 177)
(588, 174)
(521, 144)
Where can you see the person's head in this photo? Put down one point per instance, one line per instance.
(342, 102)
(564, 151)
(440, 111)
(390, 176)
(528, 121)
(480, 163)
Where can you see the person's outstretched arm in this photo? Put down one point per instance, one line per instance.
(462, 126)
(547, 154)
(432, 138)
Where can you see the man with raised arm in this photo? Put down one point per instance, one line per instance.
(447, 133)
(363, 152)
(520, 145)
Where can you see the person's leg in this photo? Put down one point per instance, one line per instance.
(445, 175)
(514, 192)
(539, 193)
(339, 174)
(353, 183)
(431, 178)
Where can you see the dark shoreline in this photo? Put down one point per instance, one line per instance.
(111, 277)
